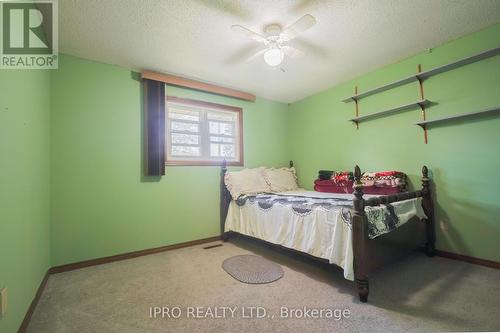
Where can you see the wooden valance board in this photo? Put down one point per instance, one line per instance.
(197, 85)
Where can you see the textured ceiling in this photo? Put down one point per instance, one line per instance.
(192, 38)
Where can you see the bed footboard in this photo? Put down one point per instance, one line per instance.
(369, 254)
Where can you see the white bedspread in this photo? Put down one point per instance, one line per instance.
(320, 227)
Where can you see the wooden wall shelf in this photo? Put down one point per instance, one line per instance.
(427, 123)
(406, 80)
(425, 75)
(420, 104)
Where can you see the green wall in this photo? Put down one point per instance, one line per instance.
(464, 156)
(101, 203)
(24, 188)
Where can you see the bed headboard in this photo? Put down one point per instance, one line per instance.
(225, 196)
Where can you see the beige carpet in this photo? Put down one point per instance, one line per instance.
(416, 294)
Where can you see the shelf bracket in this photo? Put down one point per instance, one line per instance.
(422, 106)
(357, 105)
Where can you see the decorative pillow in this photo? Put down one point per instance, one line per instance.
(246, 181)
(282, 179)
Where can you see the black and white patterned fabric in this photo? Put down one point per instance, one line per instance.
(381, 219)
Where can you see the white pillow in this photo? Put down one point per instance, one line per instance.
(246, 181)
(282, 179)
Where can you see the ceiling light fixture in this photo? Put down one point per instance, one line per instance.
(274, 56)
(276, 40)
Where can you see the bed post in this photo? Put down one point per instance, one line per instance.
(225, 198)
(360, 238)
(428, 207)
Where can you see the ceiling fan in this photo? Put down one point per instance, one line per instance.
(275, 40)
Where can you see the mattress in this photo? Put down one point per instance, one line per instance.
(313, 222)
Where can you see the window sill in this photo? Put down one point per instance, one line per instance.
(202, 163)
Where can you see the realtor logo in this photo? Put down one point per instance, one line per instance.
(29, 37)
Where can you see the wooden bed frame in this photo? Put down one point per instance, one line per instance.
(370, 254)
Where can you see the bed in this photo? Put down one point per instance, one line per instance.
(356, 232)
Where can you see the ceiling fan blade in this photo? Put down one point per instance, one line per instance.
(228, 7)
(292, 52)
(302, 24)
(248, 33)
(243, 53)
(255, 55)
(310, 48)
(302, 5)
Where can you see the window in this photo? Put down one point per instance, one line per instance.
(202, 133)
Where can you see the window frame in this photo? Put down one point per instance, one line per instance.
(215, 107)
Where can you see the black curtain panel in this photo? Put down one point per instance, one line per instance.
(154, 121)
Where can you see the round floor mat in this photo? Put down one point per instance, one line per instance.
(252, 269)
